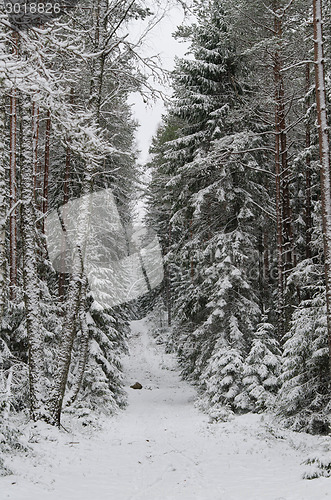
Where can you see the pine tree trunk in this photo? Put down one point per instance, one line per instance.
(3, 207)
(324, 148)
(285, 173)
(100, 28)
(8, 394)
(285, 176)
(283, 207)
(13, 187)
(65, 351)
(308, 207)
(65, 200)
(72, 304)
(191, 251)
(168, 280)
(35, 139)
(279, 228)
(30, 277)
(261, 283)
(84, 348)
(266, 258)
(46, 167)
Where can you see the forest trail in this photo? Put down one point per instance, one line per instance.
(162, 448)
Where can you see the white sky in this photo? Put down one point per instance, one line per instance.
(159, 41)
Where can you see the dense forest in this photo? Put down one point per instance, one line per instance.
(66, 131)
(239, 195)
(242, 211)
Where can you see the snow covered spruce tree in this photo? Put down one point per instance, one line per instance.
(235, 197)
(262, 370)
(304, 399)
(305, 393)
(229, 280)
(210, 188)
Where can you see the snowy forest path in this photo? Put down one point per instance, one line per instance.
(162, 448)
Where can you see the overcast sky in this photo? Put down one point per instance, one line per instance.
(159, 41)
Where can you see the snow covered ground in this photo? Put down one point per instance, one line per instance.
(162, 448)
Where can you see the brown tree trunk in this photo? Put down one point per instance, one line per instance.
(266, 257)
(30, 276)
(46, 163)
(3, 209)
(285, 176)
(283, 206)
(191, 251)
(261, 282)
(35, 139)
(308, 209)
(62, 276)
(324, 148)
(279, 228)
(13, 186)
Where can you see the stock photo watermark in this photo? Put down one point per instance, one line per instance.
(122, 263)
(24, 14)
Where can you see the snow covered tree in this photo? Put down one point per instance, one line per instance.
(206, 180)
(304, 401)
(31, 282)
(234, 195)
(322, 118)
(304, 397)
(261, 370)
(84, 124)
(102, 385)
(223, 376)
